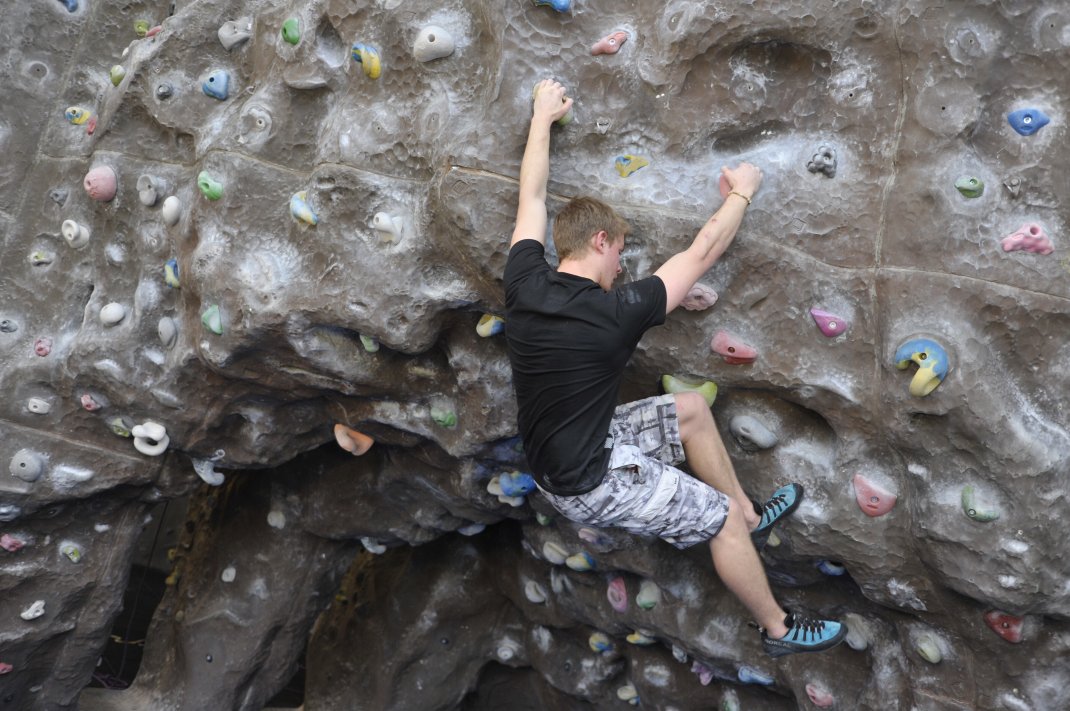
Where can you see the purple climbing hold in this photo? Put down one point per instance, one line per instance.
(830, 324)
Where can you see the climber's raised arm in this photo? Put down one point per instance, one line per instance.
(549, 105)
(683, 269)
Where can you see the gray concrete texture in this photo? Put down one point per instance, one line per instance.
(863, 114)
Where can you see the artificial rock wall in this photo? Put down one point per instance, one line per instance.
(310, 215)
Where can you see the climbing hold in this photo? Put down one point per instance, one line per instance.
(750, 675)
(858, 631)
(610, 44)
(564, 120)
(534, 592)
(38, 406)
(10, 543)
(559, 5)
(164, 91)
(751, 434)
(554, 553)
(153, 31)
(112, 313)
(874, 500)
(71, 551)
(641, 638)
(389, 227)
(649, 595)
(9, 512)
(628, 164)
(91, 403)
(116, 74)
(373, 546)
(41, 257)
(8, 326)
(928, 648)
(1007, 626)
(819, 696)
(829, 324)
(433, 42)
(119, 426)
(443, 417)
(301, 210)
(831, 568)
(368, 58)
(472, 529)
(167, 330)
(580, 562)
(371, 344)
(594, 537)
(1030, 237)
(516, 483)
(703, 671)
(1027, 121)
(217, 85)
(617, 593)
(42, 346)
(205, 469)
(627, 692)
(1013, 186)
(600, 642)
(141, 27)
(543, 519)
(213, 320)
(507, 649)
(699, 298)
(5, 668)
(150, 438)
(234, 32)
(148, 189)
(490, 325)
(101, 183)
(970, 187)
(733, 350)
(932, 362)
(71, 5)
(357, 443)
(291, 30)
(171, 210)
(77, 115)
(209, 187)
(27, 465)
(969, 506)
(58, 196)
(602, 125)
(170, 273)
(76, 235)
(824, 161)
(35, 610)
(706, 388)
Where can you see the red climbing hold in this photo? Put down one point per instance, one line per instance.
(733, 350)
(1009, 627)
(874, 500)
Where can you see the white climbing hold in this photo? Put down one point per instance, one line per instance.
(389, 227)
(373, 545)
(27, 465)
(171, 210)
(205, 469)
(150, 438)
(38, 406)
(167, 330)
(148, 189)
(33, 611)
(276, 519)
(112, 314)
(77, 236)
(507, 650)
(534, 592)
(433, 42)
(234, 32)
(554, 553)
(228, 575)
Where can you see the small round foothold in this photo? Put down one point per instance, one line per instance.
(600, 642)
(628, 164)
(101, 183)
(627, 692)
(164, 91)
(167, 330)
(141, 27)
(610, 44)
(8, 326)
(116, 74)
(171, 210)
(1027, 121)
(970, 186)
(38, 406)
(291, 31)
(42, 346)
(368, 58)
(77, 236)
(443, 416)
(27, 465)
(112, 313)
(148, 190)
(389, 227)
(71, 551)
(150, 438)
(217, 85)
(490, 325)
(92, 403)
(824, 162)
(58, 196)
(209, 187)
(41, 257)
(649, 595)
(170, 273)
(433, 42)
(301, 210)
(213, 319)
(931, 359)
(234, 32)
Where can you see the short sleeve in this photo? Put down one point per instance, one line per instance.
(641, 306)
(525, 258)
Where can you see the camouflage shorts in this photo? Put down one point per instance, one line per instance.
(642, 492)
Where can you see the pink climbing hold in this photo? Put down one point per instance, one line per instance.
(610, 44)
(5, 667)
(1030, 237)
(700, 297)
(820, 697)
(42, 346)
(11, 544)
(152, 32)
(617, 593)
(733, 350)
(830, 324)
(703, 672)
(90, 403)
(874, 500)
(101, 183)
(1009, 627)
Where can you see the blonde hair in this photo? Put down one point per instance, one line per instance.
(581, 218)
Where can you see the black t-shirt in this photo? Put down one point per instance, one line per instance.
(568, 344)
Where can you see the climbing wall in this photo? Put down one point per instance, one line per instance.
(233, 231)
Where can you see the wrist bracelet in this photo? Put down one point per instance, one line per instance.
(733, 192)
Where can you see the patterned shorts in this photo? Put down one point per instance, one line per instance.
(642, 491)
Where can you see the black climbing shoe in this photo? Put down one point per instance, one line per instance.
(805, 634)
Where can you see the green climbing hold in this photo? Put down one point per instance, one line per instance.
(291, 30)
(971, 509)
(141, 27)
(72, 551)
(970, 187)
(707, 388)
(116, 74)
(119, 426)
(443, 417)
(211, 189)
(213, 320)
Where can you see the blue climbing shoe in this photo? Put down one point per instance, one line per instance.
(782, 503)
(805, 635)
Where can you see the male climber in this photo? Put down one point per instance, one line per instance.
(570, 335)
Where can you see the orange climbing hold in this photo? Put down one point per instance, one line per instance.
(351, 440)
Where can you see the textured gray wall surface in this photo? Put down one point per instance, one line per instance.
(223, 235)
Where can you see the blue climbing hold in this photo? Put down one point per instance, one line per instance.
(829, 567)
(559, 5)
(217, 85)
(516, 483)
(1028, 121)
(71, 5)
(932, 362)
(170, 273)
(750, 675)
